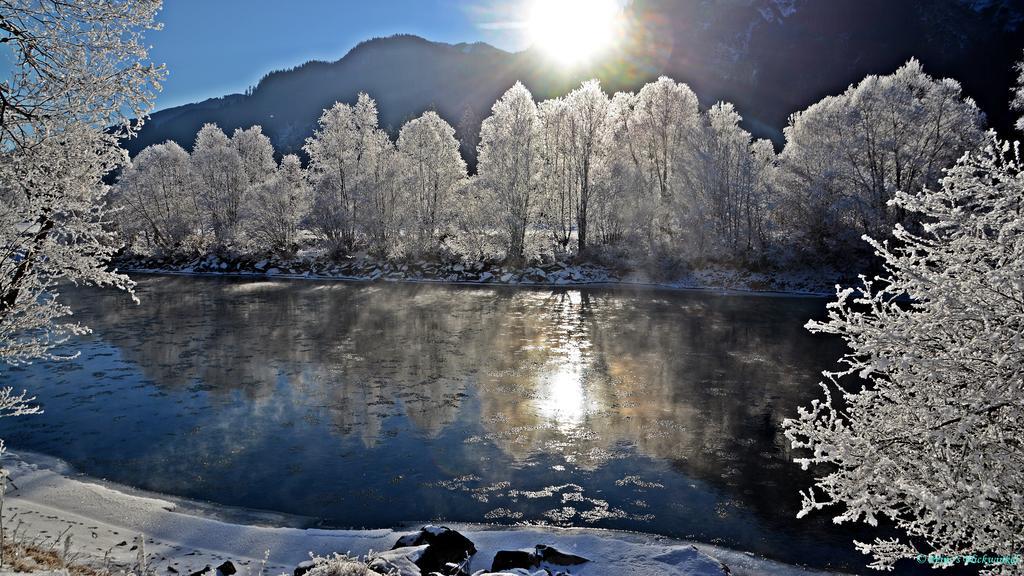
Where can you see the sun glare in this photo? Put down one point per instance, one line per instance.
(573, 31)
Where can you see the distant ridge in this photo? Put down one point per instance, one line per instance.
(769, 57)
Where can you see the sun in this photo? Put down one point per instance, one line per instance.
(574, 31)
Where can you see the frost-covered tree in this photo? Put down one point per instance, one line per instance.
(256, 154)
(432, 171)
(589, 136)
(340, 159)
(1017, 99)
(760, 200)
(659, 132)
(221, 182)
(846, 156)
(625, 208)
(650, 135)
(924, 421)
(575, 134)
(468, 133)
(379, 191)
(77, 79)
(558, 183)
(13, 404)
(723, 207)
(159, 206)
(509, 164)
(663, 114)
(474, 220)
(279, 205)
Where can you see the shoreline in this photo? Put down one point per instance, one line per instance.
(103, 519)
(602, 283)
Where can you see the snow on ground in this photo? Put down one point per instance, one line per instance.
(51, 501)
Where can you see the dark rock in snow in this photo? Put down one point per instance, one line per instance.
(554, 556)
(447, 551)
(508, 559)
(201, 572)
(399, 562)
(303, 567)
(543, 554)
(227, 568)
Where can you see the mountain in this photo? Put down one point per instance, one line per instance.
(775, 57)
(405, 74)
(769, 57)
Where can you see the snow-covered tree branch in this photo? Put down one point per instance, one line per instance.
(923, 423)
(79, 83)
(1017, 99)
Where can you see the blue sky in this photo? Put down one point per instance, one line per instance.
(217, 47)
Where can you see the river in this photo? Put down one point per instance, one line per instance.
(365, 405)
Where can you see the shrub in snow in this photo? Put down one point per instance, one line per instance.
(931, 436)
(339, 565)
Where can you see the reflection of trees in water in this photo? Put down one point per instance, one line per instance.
(361, 352)
(702, 381)
(384, 351)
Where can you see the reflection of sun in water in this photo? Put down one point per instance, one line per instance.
(562, 401)
(572, 31)
(573, 298)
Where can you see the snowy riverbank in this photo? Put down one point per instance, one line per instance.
(51, 502)
(558, 274)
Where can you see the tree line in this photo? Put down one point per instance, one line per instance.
(629, 177)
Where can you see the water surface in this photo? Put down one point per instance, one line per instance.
(365, 405)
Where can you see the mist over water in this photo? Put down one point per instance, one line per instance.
(365, 405)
